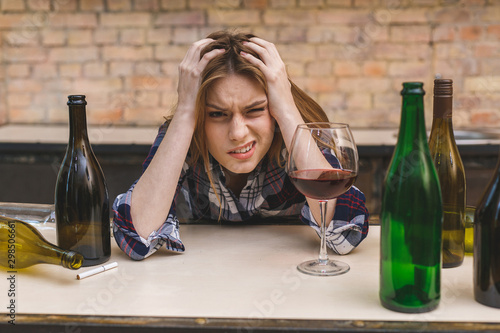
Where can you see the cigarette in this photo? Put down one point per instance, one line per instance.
(97, 270)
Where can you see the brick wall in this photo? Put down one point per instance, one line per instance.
(351, 55)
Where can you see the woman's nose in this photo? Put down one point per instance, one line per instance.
(238, 128)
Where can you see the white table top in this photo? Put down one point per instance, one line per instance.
(241, 271)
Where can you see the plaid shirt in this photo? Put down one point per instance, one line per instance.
(267, 193)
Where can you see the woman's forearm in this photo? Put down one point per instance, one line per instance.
(154, 192)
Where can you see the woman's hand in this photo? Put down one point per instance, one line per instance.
(281, 103)
(190, 70)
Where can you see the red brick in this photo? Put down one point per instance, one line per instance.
(255, 4)
(234, 17)
(133, 37)
(72, 54)
(125, 19)
(18, 70)
(396, 51)
(12, 5)
(186, 18)
(67, 20)
(493, 32)
(147, 5)
(491, 14)
(359, 101)
(485, 118)
(101, 86)
(121, 68)
(26, 115)
(54, 37)
(159, 36)
(343, 16)
(451, 15)
(106, 36)
(410, 34)
(375, 68)
(347, 68)
(317, 68)
(79, 37)
(183, 35)
(358, 84)
(297, 16)
(22, 37)
(297, 52)
(402, 16)
(338, 3)
(19, 100)
(173, 4)
(65, 5)
(71, 70)
(487, 49)
(44, 71)
(411, 70)
(471, 32)
(39, 5)
(443, 33)
(24, 54)
(127, 53)
(119, 5)
(24, 85)
(170, 52)
(292, 34)
(92, 5)
(12, 20)
(311, 3)
(95, 69)
(149, 82)
(282, 3)
(144, 115)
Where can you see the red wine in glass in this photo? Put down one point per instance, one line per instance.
(323, 184)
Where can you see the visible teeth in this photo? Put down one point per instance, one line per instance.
(243, 150)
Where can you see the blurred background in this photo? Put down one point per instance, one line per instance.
(350, 55)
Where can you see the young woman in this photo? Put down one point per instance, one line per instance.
(221, 155)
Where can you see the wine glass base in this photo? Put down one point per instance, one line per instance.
(320, 268)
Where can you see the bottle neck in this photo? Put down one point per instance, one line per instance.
(77, 125)
(443, 107)
(412, 128)
(65, 258)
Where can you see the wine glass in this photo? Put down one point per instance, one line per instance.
(323, 164)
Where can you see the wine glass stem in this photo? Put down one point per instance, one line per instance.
(323, 255)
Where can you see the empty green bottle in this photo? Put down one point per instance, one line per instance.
(411, 216)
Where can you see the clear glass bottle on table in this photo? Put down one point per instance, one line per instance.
(487, 244)
(451, 174)
(81, 195)
(411, 216)
(23, 246)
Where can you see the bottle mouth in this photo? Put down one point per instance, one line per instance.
(413, 88)
(443, 87)
(72, 260)
(76, 100)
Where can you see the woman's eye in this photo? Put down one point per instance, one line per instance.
(215, 114)
(257, 110)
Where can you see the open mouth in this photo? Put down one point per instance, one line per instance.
(244, 149)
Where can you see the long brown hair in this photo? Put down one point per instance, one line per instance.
(231, 62)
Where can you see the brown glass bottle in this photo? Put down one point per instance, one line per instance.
(23, 246)
(487, 245)
(81, 195)
(451, 174)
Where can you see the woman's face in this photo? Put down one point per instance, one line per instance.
(239, 128)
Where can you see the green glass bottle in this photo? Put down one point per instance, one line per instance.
(451, 174)
(487, 245)
(23, 246)
(81, 195)
(411, 216)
